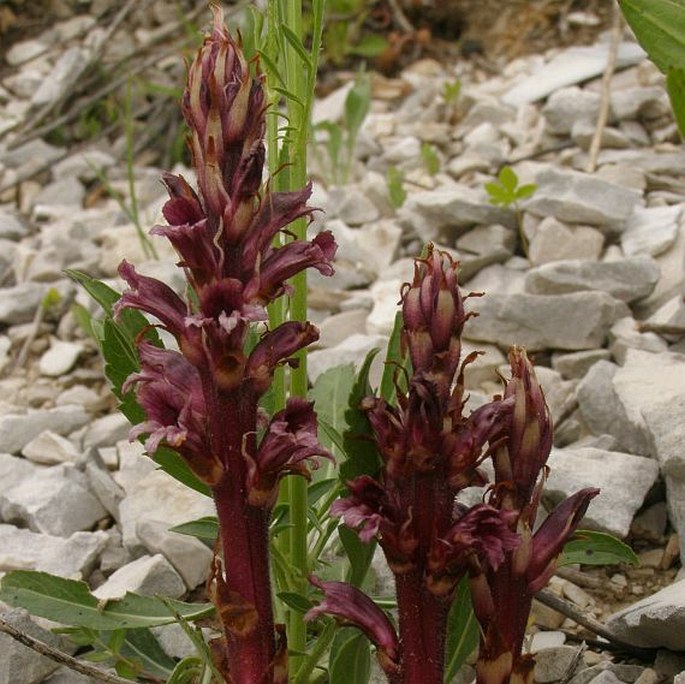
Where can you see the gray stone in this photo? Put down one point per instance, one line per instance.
(405, 152)
(627, 279)
(60, 358)
(72, 557)
(583, 134)
(577, 364)
(482, 246)
(571, 65)
(175, 642)
(157, 496)
(18, 429)
(352, 206)
(49, 448)
(604, 413)
(352, 350)
(65, 675)
(189, 556)
(148, 575)
(66, 191)
(496, 279)
(625, 175)
(569, 321)
(56, 500)
(559, 393)
(668, 664)
(641, 102)
(554, 664)
(581, 198)
(657, 621)
(34, 153)
(14, 469)
(84, 165)
(668, 319)
(18, 303)
(378, 244)
(651, 230)
(11, 227)
(554, 241)
(626, 334)
(24, 51)
(103, 485)
(623, 479)
(106, 431)
(386, 294)
(335, 329)
(65, 72)
(447, 212)
(18, 663)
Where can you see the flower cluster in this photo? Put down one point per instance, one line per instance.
(430, 451)
(202, 400)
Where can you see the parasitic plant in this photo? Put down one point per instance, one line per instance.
(203, 400)
(430, 451)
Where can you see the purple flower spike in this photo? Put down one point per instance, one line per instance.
(351, 606)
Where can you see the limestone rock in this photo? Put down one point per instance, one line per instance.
(148, 575)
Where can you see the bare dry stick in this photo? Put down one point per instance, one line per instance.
(59, 656)
(616, 31)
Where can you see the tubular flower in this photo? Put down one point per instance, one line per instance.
(354, 607)
(203, 400)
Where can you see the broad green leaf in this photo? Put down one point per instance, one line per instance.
(498, 194)
(675, 84)
(525, 191)
(299, 603)
(362, 454)
(350, 660)
(332, 436)
(659, 26)
(597, 548)
(358, 553)
(462, 632)
(71, 603)
(141, 646)
(206, 529)
(508, 178)
(103, 294)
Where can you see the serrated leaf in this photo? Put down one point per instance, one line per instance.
(359, 554)
(508, 178)
(103, 294)
(660, 29)
(588, 547)
(206, 529)
(350, 659)
(462, 632)
(71, 603)
(299, 603)
(675, 84)
(360, 449)
(296, 44)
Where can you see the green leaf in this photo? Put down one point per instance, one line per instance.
(318, 489)
(358, 553)
(396, 192)
(103, 294)
(659, 26)
(71, 603)
(597, 548)
(206, 529)
(525, 191)
(430, 158)
(675, 84)
(187, 671)
(362, 454)
(508, 178)
(498, 194)
(371, 45)
(350, 660)
(357, 105)
(141, 646)
(173, 464)
(296, 44)
(462, 632)
(289, 95)
(271, 68)
(299, 603)
(397, 365)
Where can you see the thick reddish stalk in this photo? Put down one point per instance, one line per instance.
(244, 531)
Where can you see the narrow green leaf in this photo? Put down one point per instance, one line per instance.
(271, 68)
(289, 95)
(332, 436)
(297, 602)
(597, 548)
(296, 44)
(141, 646)
(350, 659)
(71, 603)
(318, 489)
(396, 192)
(462, 632)
(660, 28)
(357, 105)
(358, 553)
(675, 84)
(187, 671)
(206, 529)
(397, 365)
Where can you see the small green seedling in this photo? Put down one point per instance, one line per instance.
(506, 192)
(451, 91)
(430, 158)
(396, 190)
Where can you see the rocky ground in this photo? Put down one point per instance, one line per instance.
(593, 289)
